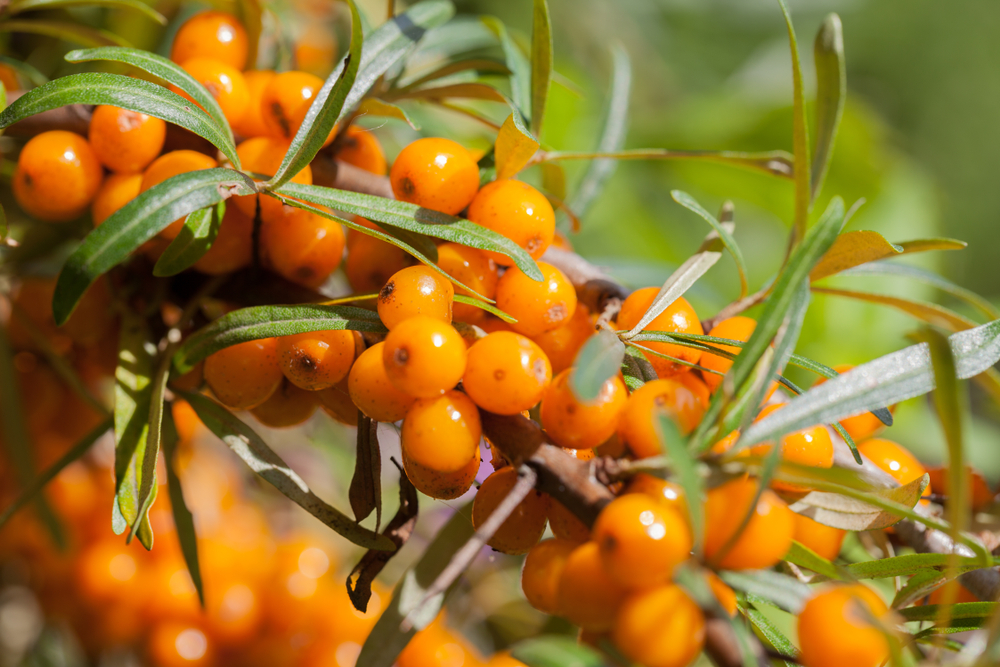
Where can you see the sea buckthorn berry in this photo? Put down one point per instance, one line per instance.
(442, 433)
(836, 628)
(336, 401)
(169, 165)
(251, 124)
(303, 246)
(767, 536)
(524, 527)
(424, 357)
(577, 425)
(57, 176)
(435, 173)
(519, 212)
(371, 390)
(288, 406)
(506, 373)
(809, 447)
(215, 35)
(371, 262)
(863, 425)
(8, 77)
(232, 248)
(639, 426)
(937, 596)
(585, 594)
(263, 155)
(473, 268)
(666, 493)
(824, 540)
(245, 375)
(504, 660)
(173, 644)
(660, 627)
(362, 149)
(437, 646)
(679, 317)
(317, 359)
(315, 49)
(285, 102)
(981, 495)
(415, 290)
(541, 571)
(441, 485)
(538, 306)
(561, 345)
(641, 540)
(223, 82)
(116, 191)
(734, 328)
(895, 460)
(722, 592)
(125, 141)
(566, 525)
(725, 444)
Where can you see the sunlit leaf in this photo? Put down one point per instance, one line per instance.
(768, 630)
(376, 107)
(679, 282)
(688, 202)
(514, 147)
(183, 520)
(674, 445)
(831, 94)
(192, 242)
(365, 492)
(541, 63)
(471, 301)
(517, 63)
(803, 556)
(908, 565)
(922, 310)
(774, 163)
(800, 134)
(782, 590)
(851, 249)
(855, 511)
(448, 69)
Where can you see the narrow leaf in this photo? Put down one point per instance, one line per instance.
(192, 242)
(471, 301)
(556, 651)
(366, 486)
(922, 310)
(517, 63)
(636, 368)
(958, 611)
(251, 16)
(852, 249)
(782, 590)
(599, 359)
(19, 6)
(803, 556)
(688, 202)
(770, 632)
(831, 94)
(687, 475)
(514, 147)
(541, 63)
(183, 520)
(851, 509)
(64, 30)
(800, 134)
(468, 91)
(376, 107)
(908, 565)
(28, 72)
(923, 245)
(679, 282)
(773, 163)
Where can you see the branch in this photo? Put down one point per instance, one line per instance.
(594, 287)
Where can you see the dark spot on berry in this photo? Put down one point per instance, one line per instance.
(401, 356)
(385, 294)
(307, 364)
(533, 244)
(571, 409)
(279, 115)
(407, 186)
(499, 375)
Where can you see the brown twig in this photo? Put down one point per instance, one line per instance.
(735, 308)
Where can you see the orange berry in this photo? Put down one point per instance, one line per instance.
(116, 191)
(473, 268)
(666, 493)
(679, 317)
(506, 373)
(215, 35)
(232, 248)
(336, 402)
(223, 82)
(57, 176)
(768, 533)
(436, 646)
(371, 390)
(723, 593)
(538, 306)
(835, 628)
(286, 100)
(563, 344)
(519, 212)
(173, 644)
(862, 425)
(8, 77)
(192, 380)
(251, 123)
(641, 540)
(660, 627)
(317, 359)
(895, 460)
(245, 375)
(125, 141)
(435, 173)
(263, 155)
(287, 406)
(577, 425)
(585, 594)
(504, 660)
(824, 540)
(315, 49)
(441, 485)
(566, 525)
(424, 357)
(964, 595)
(524, 527)
(639, 426)
(415, 290)
(809, 447)
(442, 433)
(981, 493)
(735, 328)
(371, 262)
(362, 149)
(725, 444)
(169, 165)
(303, 247)
(104, 569)
(542, 569)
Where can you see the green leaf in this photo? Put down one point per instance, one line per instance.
(599, 359)
(769, 631)
(68, 32)
(27, 71)
(469, 91)
(450, 68)
(514, 147)
(773, 163)
(258, 322)
(246, 444)
(120, 91)
(556, 651)
(803, 556)
(135, 223)
(471, 301)
(922, 310)
(920, 585)
(923, 245)
(908, 565)
(688, 202)
(695, 583)
(851, 249)
(183, 520)
(517, 63)
(251, 16)
(376, 107)
(691, 482)
(541, 63)
(800, 135)
(18, 6)
(192, 242)
(831, 94)
(786, 592)
(929, 612)
(636, 368)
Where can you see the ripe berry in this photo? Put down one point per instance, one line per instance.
(116, 191)
(415, 290)
(538, 306)
(768, 533)
(660, 627)
(336, 402)
(641, 540)
(362, 149)
(809, 447)
(173, 644)
(895, 460)
(232, 248)
(288, 406)
(286, 100)
(424, 357)
(666, 493)
(981, 495)
(245, 375)
(585, 594)
(169, 165)
(683, 398)
(860, 426)
(577, 425)
(735, 328)
(372, 391)
(836, 628)
(317, 359)
(519, 212)
(723, 593)
(57, 176)
(436, 646)
(251, 124)
(263, 155)
(506, 373)
(679, 317)
(566, 525)
(441, 485)
(125, 141)
(223, 82)
(302, 246)
(524, 527)
(435, 173)
(542, 569)
(824, 540)
(561, 345)
(442, 433)
(371, 262)
(215, 35)
(473, 268)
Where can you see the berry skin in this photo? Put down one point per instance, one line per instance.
(723, 593)
(683, 400)
(336, 402)
(541, 571)
(895, 460)
(735, 328)
(538, 306)
(660, 627)
(57, 176)
(809, 447)
(441, 485)
(263, 155)
(233, 247)
(302, 246)
(317, 359)
(666, 493)
(371, 262)
(576, 425)
(371, 390)
(442, 433)
(286, 100)
(116, 191)
(223, 82)
(173, 644)
(565, 525)
(415, 290)
(519, 212)
(288, 406)
(216, 35)
(424, 357)
(824, 540)
(245, 375)
(473, 268)
(434, 173)
(362, 149)
(767, 536)
(585, 594)
(506, 373)
(860, 426)
(679, 317)
(125, 141)
(563, 344)
(835, 628)
(641, 540)
(524, 527)
(169, 165)
(251, 123)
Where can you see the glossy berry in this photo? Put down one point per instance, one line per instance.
(251, 123)
(577, 425)
(541, 571)
(518, 211)
(660, 627)
(362, 149)
(860, 426)
(437, 646)
(767, 536)
(561, 345)
(223, 82)
(371, 390)
(116, 191)
(435, 173)
(666, 493)
(317, 359)
(895, 460)
(679, 317)
(57, 176)
(824, 540)
(232, 248)
(473, 268)
(285, 101)
(506, 373)
(216, 35)
(809, 447)
(979, 491)
(245, 375)
(415, 290)
(337, 403)
(836, 627)
(441, 485)
(424, 357)
(734, 328)
(442, 433)
(371, 262)
(302, 246)
(585, 594)
(566, 525)
(125, 141)
(173, 644)
(524, 527)
(288, 406)
(683, 401)
(538, 306)
(166, 167)
(263, 155)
